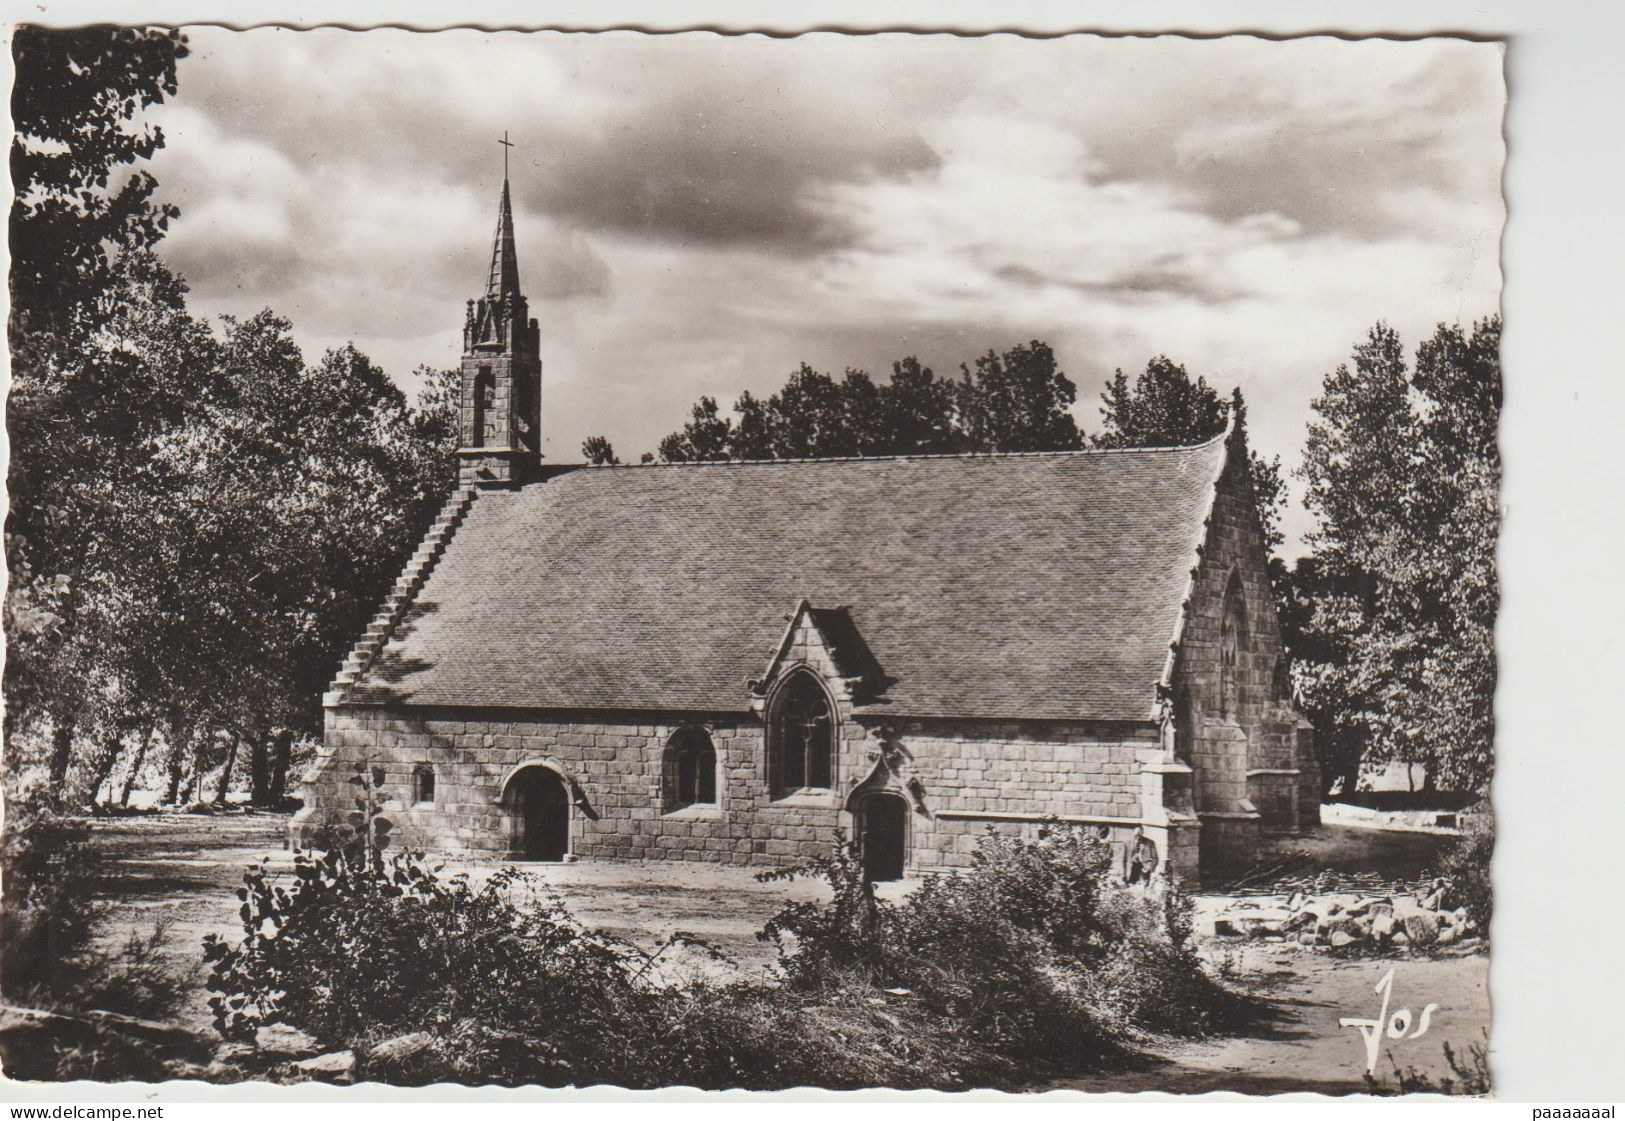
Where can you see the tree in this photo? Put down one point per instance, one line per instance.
(920, 411)
(75, 106)
(85, 399)
(1403, 478)
(706, 436)
(598, 450)
(1164, 407)
(1457, 515)
(1018, 401)
(83, 530)
(1015, 401)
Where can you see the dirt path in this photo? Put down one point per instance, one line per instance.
(184, 868)
(1299, 1046)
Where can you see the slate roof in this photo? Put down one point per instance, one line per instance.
(1040, 586)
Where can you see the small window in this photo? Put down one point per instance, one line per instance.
(423, 785)
(801, 735)
(691, 769)
(484, 420)
(1232, 644)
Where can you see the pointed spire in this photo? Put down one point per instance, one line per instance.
(504, 280)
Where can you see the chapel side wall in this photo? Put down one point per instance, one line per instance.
(964, 778)
(972, 777)
(1254, 765)
(1006, 777)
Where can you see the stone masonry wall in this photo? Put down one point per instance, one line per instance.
(969, 778)
(1253, 765)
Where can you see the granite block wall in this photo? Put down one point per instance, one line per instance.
(958, 780)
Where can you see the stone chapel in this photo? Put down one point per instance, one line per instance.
(740, 661)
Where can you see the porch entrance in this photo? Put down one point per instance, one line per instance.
(883, 835)
(544, 814)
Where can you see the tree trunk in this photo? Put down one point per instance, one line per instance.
(281, 756)
(225, 771)
(194, 781)
(106, 760)
(135, 767)
(61, 756)
(180, 738)
(259, 769)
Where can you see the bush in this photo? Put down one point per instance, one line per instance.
(356, 950)
(509, 989)
(50, 911)
(1034, 953)
(51, 876)
(1470, 1074)
(1465, 868)
(1033, 959)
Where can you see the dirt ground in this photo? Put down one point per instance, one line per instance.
(183, 868)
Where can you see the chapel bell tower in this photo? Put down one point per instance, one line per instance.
(500, 402)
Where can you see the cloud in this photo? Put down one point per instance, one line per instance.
(697, 214)
(698, 143)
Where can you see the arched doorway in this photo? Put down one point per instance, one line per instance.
(883, 836)
(542, 807)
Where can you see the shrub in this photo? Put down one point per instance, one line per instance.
(50, 911)
(1031, 959)
(1465, 868)
(509, 989)
(354, 950)
(50, 958)
(1470, 1074)
(1034, 952)
(52, 875)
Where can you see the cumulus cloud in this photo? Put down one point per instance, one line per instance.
(698, 214)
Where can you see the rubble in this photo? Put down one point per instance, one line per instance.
(1394, 919)
(335, 1066)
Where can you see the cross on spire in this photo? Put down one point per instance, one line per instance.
(503, 279)
(506, 144)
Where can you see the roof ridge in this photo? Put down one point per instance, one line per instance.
(1057, 453)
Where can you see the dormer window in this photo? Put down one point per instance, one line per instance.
(801, 735)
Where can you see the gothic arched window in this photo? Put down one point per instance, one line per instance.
(1232, 642)
(800, 735)
(423, 785)
(690, 769)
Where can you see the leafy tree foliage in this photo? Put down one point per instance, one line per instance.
(75, 108)
(1164, 407)
(1398, 607)
(1018, 401)
(598, 450)
(198, 524)
(84, 397)
(219, 519)
(1014, 401)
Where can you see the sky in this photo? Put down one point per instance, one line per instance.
(698, 214)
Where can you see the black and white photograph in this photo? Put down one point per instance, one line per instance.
(595, 558)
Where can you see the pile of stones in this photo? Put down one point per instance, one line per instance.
(1341, 921)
